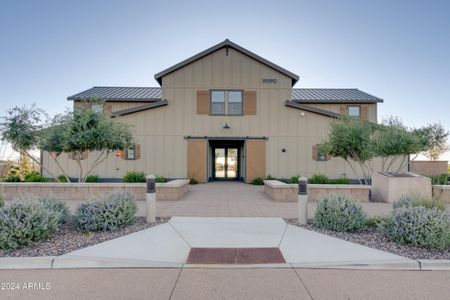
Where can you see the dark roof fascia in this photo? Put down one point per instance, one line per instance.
(311, 109)
(339, 101)
(226, 43)
(117, 99)
(139, 108)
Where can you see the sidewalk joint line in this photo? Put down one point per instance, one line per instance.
(303, 284)
(180, 235)
(176, 281)
(282, 237)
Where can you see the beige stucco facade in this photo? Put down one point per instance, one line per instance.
(164, 132)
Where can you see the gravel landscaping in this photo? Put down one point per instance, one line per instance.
(373, 237)
(68, 239)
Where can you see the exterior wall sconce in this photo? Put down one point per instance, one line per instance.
(283, 150)
(226, 126)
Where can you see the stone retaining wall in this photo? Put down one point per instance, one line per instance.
(442, 192)
(429, 168)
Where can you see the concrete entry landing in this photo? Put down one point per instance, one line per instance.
(169, 245)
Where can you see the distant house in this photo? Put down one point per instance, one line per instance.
(225, 114)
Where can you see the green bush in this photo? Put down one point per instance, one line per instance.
(92, 179)
(257, 181)
(12, 178)
(57, 206)
(294, 179)
(134, 176)
(193, 181)
(419, 226)
(23, 223)
(339, 213)
(110, 213)
(318, 179)
(269, 177)
(439, 179)
(62, 178)
(341, 180)
(374, 221)
(2, 199)
(34, 177)
(160, 179)
(410, 201)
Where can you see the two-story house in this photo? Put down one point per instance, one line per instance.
(226, 114)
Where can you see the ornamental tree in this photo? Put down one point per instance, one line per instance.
(437, 137)
(77, 132)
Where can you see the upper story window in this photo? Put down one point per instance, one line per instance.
(226, 102)
(97, 107)
(354, 112)
(130, 152)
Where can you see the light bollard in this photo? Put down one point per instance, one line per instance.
(303, 200)
(150, 199)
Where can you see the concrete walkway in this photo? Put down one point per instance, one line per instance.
(168, 245)
(236, 199)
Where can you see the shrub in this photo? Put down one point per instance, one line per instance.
(2, 199)
(57, 206)
(269, 177)
(160, 179)
(22, 223)
(410, 201)
(110, 213)
(62, 178)
(419, 226)
(439, 179)
(318, 179)
(34, 177)
(339, 213)
(133, 176)
(374, 221)
(294, 179)
(341, 180)
(12, 178)
(193, 181)
(257, 181)
(92, 179)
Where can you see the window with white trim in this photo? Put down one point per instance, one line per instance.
(354, 111)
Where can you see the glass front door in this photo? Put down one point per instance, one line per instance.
(226, 162)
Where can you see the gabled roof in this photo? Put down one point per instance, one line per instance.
(225, 44)
(333, 96)
(145, 106)
(116, 93)
(311, 109)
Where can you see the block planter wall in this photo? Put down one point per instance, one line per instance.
(442, 192)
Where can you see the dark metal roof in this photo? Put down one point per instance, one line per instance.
(225, 44)
(333, 96)
(116, 93)
(139, 108)
(311, 109)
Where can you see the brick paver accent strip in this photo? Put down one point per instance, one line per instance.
(235, 256)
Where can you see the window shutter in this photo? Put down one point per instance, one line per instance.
(249, 103)
(344, 109)
(364, 112)
(203, 105)
(108, 108)
(315, 152)
(138, 151)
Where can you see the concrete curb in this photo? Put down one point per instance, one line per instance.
(53, 262)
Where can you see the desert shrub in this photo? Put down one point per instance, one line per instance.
(12, 178)
(134, 176)
(439, 179)
(411, 201)
(22, 223)
(57, 206)
(2, 199)
(62, 178)
(160, 179)
(419, 226)
(318, 179)
(34, 177)
(257, 181)
(110, 213)
(374, 221)
(339, 213)
(294, 179)
(193, 181)
(92, 179)
(341, 180)
(269, 177)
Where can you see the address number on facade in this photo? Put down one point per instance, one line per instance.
(269, 81)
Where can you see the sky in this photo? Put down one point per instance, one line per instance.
(395, 50)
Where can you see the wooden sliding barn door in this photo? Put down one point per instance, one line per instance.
(255, 159)
(197, 163)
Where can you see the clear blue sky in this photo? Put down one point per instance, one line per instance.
(396, 50)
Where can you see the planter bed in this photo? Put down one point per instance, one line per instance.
(374, 238)
(68, 239)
